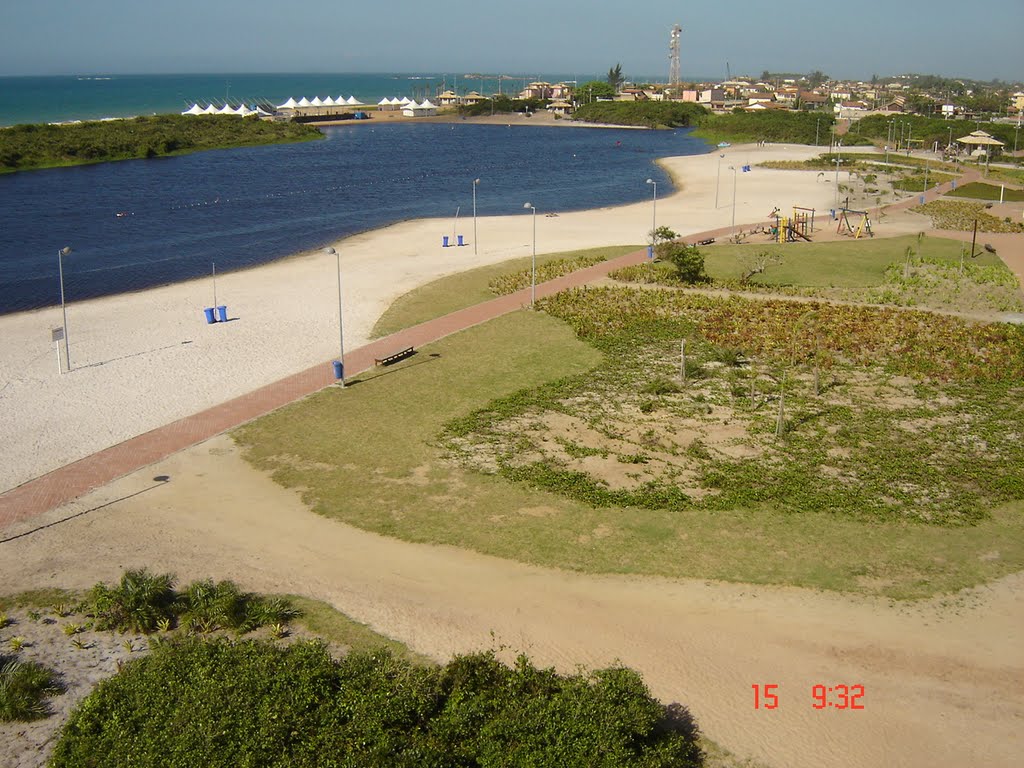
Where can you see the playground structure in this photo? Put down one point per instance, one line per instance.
(789, 229)
(846, 226)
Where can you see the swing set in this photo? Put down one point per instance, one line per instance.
(850, 228)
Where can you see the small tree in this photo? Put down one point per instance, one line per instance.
(688, 260)
(615, 77)
(756, 264)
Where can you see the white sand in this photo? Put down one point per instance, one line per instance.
(144, 359)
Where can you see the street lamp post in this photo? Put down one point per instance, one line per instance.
(63, 307)
(654, 216)
(475, 183)
(817, 125)
(341, 325)
(718, 178)
(533, 270)
(733, 169)
(839, 156)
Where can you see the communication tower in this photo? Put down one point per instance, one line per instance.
(673, 57)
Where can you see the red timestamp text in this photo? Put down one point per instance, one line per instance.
(839, 696)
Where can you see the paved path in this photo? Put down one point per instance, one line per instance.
(71, 481)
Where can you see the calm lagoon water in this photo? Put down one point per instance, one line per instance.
(242, 207)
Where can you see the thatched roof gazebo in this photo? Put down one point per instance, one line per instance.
(978, 140)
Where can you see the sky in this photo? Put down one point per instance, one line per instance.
(845, 40)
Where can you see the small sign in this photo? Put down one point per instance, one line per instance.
(57, 334)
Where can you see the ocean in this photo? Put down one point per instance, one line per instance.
(246, 206)
(93, 97)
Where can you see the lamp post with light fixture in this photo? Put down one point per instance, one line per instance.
(533, 269)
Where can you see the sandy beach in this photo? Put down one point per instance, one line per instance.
(143, 359)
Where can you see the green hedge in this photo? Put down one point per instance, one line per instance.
(652, 114)
(219, 703)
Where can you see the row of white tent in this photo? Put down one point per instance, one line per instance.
(227, 109)
(351, 101)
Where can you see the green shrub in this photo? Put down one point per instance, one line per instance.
(250, 703)
(24, 686)
(688, 261)
(137, 604)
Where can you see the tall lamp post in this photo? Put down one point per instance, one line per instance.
(654, 216)
(718, 177)
(533, 270)
(340, 371)
(63, 307)
(817, 125)
(733, 169)
(839, 159)
(475, 183)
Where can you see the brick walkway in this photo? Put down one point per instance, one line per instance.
(69, 482)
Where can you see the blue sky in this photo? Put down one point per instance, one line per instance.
(40, 37)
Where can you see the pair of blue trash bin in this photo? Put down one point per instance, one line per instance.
(445, 241)
(222, 314)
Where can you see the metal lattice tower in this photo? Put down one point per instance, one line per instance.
(673, 56)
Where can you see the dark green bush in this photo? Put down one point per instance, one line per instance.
(253, 704)
(688, 260)
(24, 686)
(137, 604)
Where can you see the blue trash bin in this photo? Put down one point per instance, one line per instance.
(954, 183)
(650, 251)
(222, 313)
(339, 369)
(209, 315)
(444, 241)
(460, 240)
(921, 198)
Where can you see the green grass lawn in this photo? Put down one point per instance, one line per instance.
(371, 456)
(465, 289)
(841, 264)
(981, 191)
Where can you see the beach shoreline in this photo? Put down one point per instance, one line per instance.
(143, 359)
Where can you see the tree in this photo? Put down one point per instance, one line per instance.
(816, 78)
(688, 260)
(593, 90)
(615, 77)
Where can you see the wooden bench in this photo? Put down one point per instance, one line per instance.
(407, 352)
(709, 241)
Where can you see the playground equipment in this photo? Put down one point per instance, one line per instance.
(846, 226)
(789, 229)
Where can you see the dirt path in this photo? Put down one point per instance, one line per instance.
(944, 685)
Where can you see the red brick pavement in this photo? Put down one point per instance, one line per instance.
(71, 481)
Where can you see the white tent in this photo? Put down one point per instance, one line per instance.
(227, 109)
(353, 101)
(329, 102)
(243, 110)
(384, 102)
(290, 104)
(406, 100)
(316, 102)
(210, 110)
(304, 102)
(195, 109)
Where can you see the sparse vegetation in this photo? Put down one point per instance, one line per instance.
(27, 147)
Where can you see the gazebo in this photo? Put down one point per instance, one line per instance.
(979, 139)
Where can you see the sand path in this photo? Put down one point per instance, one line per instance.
(944, 685)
